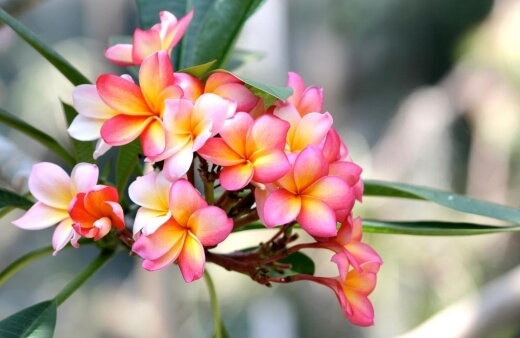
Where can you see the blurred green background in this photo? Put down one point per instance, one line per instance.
(423, 92)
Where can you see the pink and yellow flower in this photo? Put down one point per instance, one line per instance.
(54, 190)
(304, 99)
(96, 211)
(192, 226)
(160, 37)
(188, 126)
(249, 150)
(306, 194)
(140, 108)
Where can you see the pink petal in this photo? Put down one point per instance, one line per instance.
(122, 95)
(84, 176)
(123, 129)
(149, 220)
(88, 103)
(311, 101)
(312, 129)
(237, 92)
(317, 218)
(235, 130)
(343, 264)
(167, 259)
(146, 42)
(210, 225)
(78, 212)
(362, 310)
(120, 55)
(236, 177)
(191, 86)
(155, 74)
(174, 29)
(202, 133)
(363, 253)
(295, 82)
(213, 107)
(216, 151)
(177, 165)
(268, 132)
(51, 185)
(281, 207)
(158, 244)
(348, 171)
(309, 166)
(333, 191)
(270, 165)
(62, 235)
(40, 216)
(153, 139)
(184, 201)
(192, 259)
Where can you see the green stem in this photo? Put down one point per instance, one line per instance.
(217, 322)
(83, 276)
(209, 192)
(23, 261)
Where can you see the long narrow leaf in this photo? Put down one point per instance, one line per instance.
(447, 199)
(37, 135)
(219, 30)
(83, 150)
(11, 199)
(37, 321)
(62, 65)
(127, 160)
(433, 228)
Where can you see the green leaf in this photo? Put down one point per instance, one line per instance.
(11, 199)
(200, 70)
(37, 135)
(446, 199)
(300, 264)
(83, 150)
(127, 160)
(433, 228)
(219, 30)
(37, 321)
(62, 65)
(268, 92)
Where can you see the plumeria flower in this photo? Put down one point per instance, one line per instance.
(140, 108)
(151, 192)
(230, 87)
(96, 211)
(192, 226)
(249, 150)
(306, 194)
(54, 190)
(160, 37)
(188, 126)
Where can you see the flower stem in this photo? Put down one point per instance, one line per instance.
(21, 262)
(217, 322)
(209, 192)
(83, 276)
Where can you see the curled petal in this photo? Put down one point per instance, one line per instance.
(168, 237)
(149, 220)
(309, 166)
(155, 74)
(311, 101)
(312, 129)
(210, 225)
(184, 201)
(270, 165)
(88, 103)
(145, 191)
(317, 218)
(192, 259)
(123, 129)
(85, 129)
(237, 176)
(177, 165)
(101, 148)
(348, 171)
(333, 191)
(62, 235)
(173, 30)
(120, 55)
(145, 43)
(295, 81)
(213, 107)
(84, 176)
(281, 207)
(216, 151)
(191, 86)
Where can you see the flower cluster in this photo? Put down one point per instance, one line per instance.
(281, 163)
